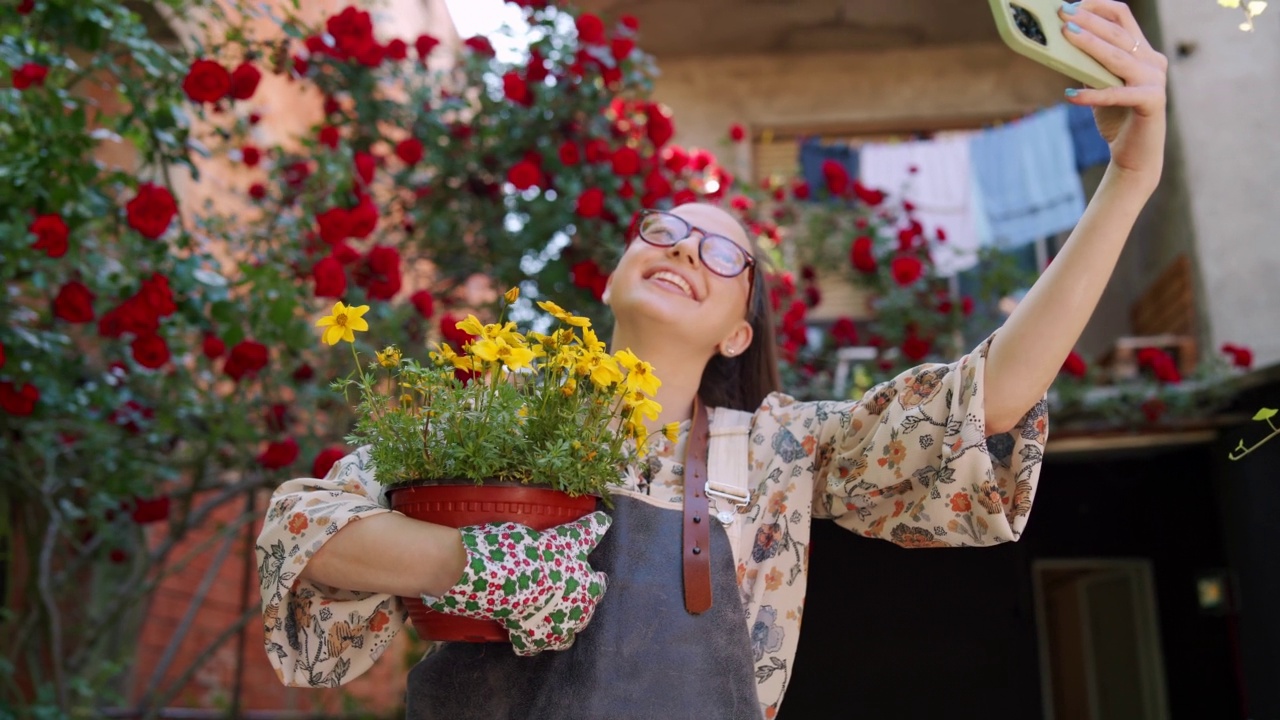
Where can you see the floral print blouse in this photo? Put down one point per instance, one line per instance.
(910, 463)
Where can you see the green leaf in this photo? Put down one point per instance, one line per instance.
(1265, 414)
(281, 310)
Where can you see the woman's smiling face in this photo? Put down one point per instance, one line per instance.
(672, 284)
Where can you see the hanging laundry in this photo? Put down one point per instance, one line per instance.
(813, 153)
(941, 189)
(1090, 148)
(1026, 172)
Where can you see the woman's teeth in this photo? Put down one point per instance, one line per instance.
(673, 279)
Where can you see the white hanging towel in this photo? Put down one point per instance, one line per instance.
(941, 190)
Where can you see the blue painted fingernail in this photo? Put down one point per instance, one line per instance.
(1072, 92)
(1073, 27)
(1070, 7)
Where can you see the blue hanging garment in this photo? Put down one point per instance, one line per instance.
(1090, 148)
(1026, 172)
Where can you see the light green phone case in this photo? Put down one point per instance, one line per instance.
(1058, 53)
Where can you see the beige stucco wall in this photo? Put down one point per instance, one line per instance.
(1224, 99)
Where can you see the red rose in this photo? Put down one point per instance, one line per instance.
(684, 197)
(1241, 357)
(156, 294)
(906, 269)
(1165, 369)
(700, 160)
(966, 305)
(424, 45)
(452, 334)
(131, 316)
(536, 71)
(741, 203)
(867, 195)
(150, 510)
(1075, 365)
(915, 348)
(132, 416)
(74, 303)
(365, 164)
(658, 124)
(352, 32)
(424, 303)
(409, 151)
(212, 346)
(630, 22)
(626, 161)
(656, 187)
(325, 460)
(621, 48)
(380, 273)
(244, 81)
(279, 454)
(334, 225)
(206, 81)
(254, 118)
(524, 175)
(598, 150)
(836, 177)
(151, 210)
(516, 89)
(300, 66)
(363, 218)
(1154, 409)
(276, 417)
(585, 273)
(297, 173)
(844, 332)
(303, 373)
(344, 253)
(27, 75)
(18, 401)
(480, 44)
(590, 28)
(813, 296)
(51, 234)
(247, 358)
(257, 191)
(942, 235)
(250, 155)
(2, 357)
(675, 159)
(627, 191)
(737, 133)
(25, 7)
(569, 154)
(590, 203)
(151, 351)
(397, 50)
(329, 136)
(861, 255)
(331, 279)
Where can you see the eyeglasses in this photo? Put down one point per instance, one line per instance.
(718, 253)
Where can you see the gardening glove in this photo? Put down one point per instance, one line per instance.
(537, 584)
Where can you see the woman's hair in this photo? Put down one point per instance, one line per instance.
(741, 382)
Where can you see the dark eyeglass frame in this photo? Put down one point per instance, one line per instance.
(749, 260)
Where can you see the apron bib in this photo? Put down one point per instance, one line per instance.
(642, 655)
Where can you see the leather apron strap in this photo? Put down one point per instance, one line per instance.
(697, 533)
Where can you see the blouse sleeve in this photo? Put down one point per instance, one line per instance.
(316, 635)
(912, 463)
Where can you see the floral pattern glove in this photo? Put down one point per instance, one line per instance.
(537, 584)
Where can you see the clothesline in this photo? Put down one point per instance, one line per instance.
(1005, 186)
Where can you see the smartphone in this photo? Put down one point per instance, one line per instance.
(1033, 28)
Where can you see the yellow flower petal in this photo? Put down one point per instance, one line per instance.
(357, 323)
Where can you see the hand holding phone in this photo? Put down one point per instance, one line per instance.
(1031, 28)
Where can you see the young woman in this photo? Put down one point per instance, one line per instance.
(942, 455)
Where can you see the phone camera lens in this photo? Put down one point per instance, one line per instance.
(1028, 25)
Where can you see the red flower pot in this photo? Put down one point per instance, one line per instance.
(460, 505)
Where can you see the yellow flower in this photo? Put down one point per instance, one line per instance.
(568, 387)
(636, 430)
(639, 373)
(445, 354)
(590, 342)
(605, 372)
(497, 350)
(640, 405)
(471, 326)
(671, 430)
(341, 324)
(389, 357)
(506, 332)
(563, 315)
(512, 295)
(406, 401)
